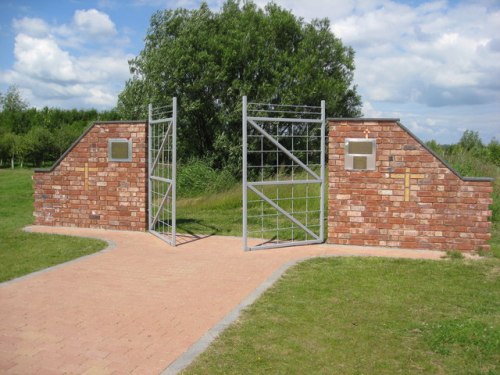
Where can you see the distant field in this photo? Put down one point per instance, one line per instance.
(20, 252)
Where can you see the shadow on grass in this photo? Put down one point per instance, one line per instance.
(188, 232)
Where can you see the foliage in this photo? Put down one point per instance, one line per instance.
(13, 101)
(197, 177)
(471, 158)
(20, 252)
(470, 140)
(210, 60)
(367, 316)
(39, 135)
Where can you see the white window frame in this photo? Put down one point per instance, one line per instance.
(370, 158)
(120, 140)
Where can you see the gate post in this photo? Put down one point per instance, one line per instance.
(244, 110)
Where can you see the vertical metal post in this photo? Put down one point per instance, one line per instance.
(150, 136)
(322, 192)
(174, 168)
(245, 199)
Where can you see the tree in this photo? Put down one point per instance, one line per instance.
(13, 101)
(470, 140)
(210, 60)
(494, 152)
(41, 145)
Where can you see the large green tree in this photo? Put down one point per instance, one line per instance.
(209, 60)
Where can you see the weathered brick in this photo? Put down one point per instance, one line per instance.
(63, 198)
(443, 211)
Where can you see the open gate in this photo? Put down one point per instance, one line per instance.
(283, 175)
(162, 160)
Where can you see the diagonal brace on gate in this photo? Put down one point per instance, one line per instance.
(160, 207)
(282, 211)
(283, 149)
(162, 146)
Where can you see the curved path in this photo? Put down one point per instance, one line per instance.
(140, 306)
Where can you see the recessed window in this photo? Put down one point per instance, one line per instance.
(360, 154)
(119, 150)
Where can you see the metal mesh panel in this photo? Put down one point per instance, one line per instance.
(284, 154)
(162, 171)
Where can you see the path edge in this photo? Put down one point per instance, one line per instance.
(204, 342)
(30, 229)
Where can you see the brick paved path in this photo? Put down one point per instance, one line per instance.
(136, 307)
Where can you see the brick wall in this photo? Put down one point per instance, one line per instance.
(84, 189)
(441, 210)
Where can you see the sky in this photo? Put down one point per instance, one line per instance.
(433, 64)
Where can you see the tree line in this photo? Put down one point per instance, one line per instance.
(209, 60)
(470, 156)
(39, 136)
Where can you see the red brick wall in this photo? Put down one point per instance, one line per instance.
(113, 196)
(443, 211)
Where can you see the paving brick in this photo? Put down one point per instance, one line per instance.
(138, 306)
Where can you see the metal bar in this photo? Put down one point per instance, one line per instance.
(282, 148)
(284, 182)
(285, 244)
(283, 119)
(161, 120)
(285, 105)
(150, 135)
(278, 208)
(245, 197)
(162, 146)
(291, 112)
(174, 170)
(160, 207)
(322, 186)
(163, 179)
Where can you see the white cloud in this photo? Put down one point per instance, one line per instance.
(31, 26)
(421, 60)
(61, 64)
(94, 23)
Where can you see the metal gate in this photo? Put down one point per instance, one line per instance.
(283, 175)
(162, 160)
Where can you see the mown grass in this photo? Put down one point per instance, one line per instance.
(20, 252)
(368, 316)
(355, 316)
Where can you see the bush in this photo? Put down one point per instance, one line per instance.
(197, 178)
(477, 163)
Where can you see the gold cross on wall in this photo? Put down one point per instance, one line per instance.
(86, 169)
(407, 176)
(366, 132)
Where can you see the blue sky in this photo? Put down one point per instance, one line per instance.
(433, 64)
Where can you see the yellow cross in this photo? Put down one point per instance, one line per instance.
(407, 176)
(86, 169)
(366, 132)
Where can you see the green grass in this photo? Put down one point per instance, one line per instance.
(368, 316)
(20, 252)
(355, 316)
(221, 212)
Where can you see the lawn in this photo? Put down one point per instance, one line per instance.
(368, 316)
(355, 316)
(20, 252)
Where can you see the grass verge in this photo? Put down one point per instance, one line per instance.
(20, 252)
(372, 316)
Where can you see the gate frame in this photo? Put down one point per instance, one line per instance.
(249, 184)
(172, 189)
